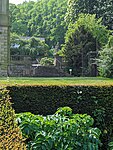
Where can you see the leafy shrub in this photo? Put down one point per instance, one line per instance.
(110, 146)
(106, 62)
(10, 135)
(106, 59)
(45, 61)
(61, 131)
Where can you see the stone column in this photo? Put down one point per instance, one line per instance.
(4, 46)
(4, 37)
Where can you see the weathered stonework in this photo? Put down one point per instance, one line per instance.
(4, 32)
(4, 37)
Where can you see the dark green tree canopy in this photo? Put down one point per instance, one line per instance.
(77, 50)
(82, 40)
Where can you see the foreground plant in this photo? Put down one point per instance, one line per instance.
(61, 131)
(10, 134)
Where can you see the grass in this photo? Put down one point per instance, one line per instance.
(55, 81)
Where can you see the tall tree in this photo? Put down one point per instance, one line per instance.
(82, 40)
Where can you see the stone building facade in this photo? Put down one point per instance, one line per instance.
(4, 37)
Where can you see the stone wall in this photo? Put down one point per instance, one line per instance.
(4, 55)
(39, 71)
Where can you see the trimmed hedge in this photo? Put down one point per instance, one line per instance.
(10, 134)
(96, 101)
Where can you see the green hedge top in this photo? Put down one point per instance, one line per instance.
(46, 99)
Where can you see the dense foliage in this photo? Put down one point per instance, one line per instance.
(61, 131)
(106, 62)
(46, 18)
(83, 39)
(96, 101)
(46, 61)
(105, 65)
(101, 8)
(51, 19)
(77, 48)
(33, 47)
(43, 18)
(10, 134)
